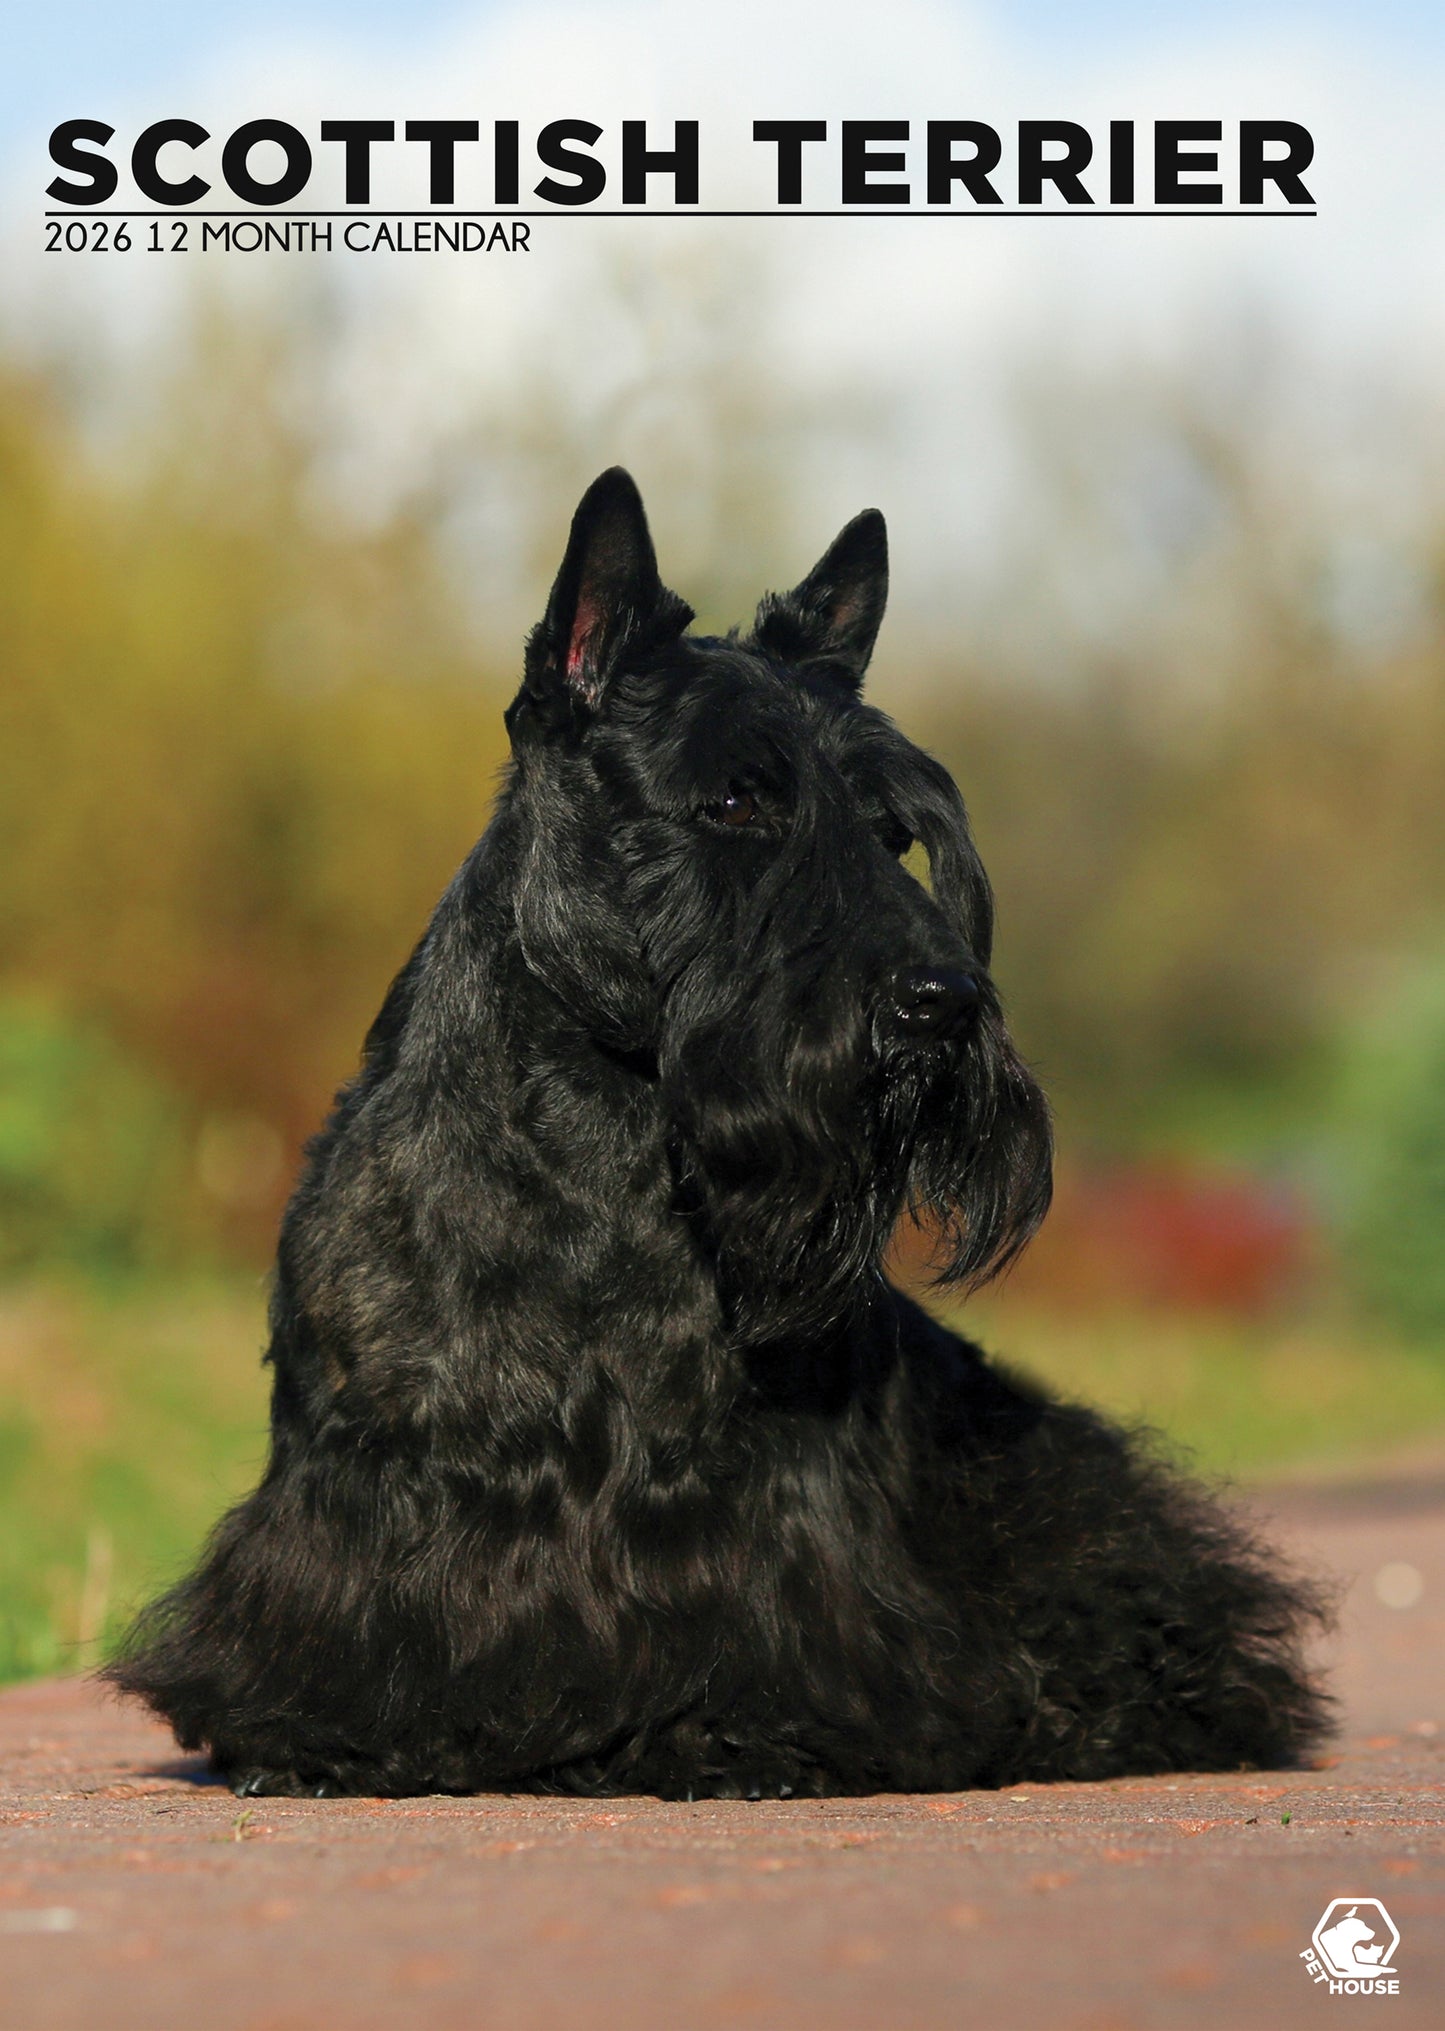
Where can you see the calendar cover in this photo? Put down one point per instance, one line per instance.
(318, 323)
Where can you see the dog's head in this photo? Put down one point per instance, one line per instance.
(714, 882)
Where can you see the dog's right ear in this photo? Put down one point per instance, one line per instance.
(606, 604)
(834, 616)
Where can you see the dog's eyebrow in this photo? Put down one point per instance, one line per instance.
(728, 738)
(878, 763)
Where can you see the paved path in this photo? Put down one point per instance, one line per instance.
(134, 1894)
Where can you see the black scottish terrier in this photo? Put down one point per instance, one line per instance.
(604, 1456)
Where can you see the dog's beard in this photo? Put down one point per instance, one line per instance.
(982, 1172)
(800, 1145)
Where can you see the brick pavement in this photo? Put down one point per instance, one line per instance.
(135, 1894)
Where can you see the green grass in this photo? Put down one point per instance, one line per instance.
(129, 1420)
(1242, 1397)
(127, 1423)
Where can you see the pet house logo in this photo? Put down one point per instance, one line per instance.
(1354, 1947)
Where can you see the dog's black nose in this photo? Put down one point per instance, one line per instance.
(930, 1001)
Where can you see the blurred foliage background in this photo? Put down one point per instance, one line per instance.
(246, 734)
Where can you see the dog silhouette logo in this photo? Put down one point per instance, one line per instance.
(1354, 1948)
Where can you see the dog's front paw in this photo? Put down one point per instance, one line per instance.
(755, 1775)
(736, 1785)
(264, 1783)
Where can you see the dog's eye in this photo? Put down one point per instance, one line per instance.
(896, 838)
(737, 807)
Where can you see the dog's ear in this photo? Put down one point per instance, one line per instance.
(834, 615)
(607, 601)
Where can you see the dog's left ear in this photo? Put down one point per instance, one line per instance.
(607, 600)
(835, 614)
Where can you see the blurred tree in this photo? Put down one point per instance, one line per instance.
(1203, 747)
(92, 1158)
(241, 750)
(246, 732)
(1395, 1157)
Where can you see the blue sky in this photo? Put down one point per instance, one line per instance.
(64, 61)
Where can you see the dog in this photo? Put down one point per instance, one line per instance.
(604, 1456)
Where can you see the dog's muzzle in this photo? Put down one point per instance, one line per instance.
(929, 1004)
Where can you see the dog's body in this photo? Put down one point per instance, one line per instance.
(604, 1457)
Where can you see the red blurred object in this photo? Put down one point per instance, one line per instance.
(1159, 1234)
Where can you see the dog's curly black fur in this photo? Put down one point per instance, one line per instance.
(604, 1457)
